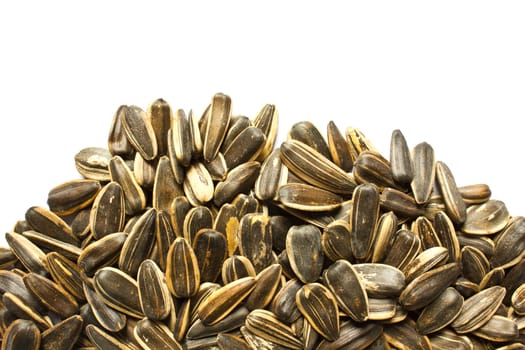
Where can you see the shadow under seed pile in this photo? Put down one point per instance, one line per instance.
(195, 232)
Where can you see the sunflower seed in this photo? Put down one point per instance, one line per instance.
(245, 147)
(217, 168)
(354, 337)
(308, 134)
(239, 180)
(345, 284)
(216, 125)
(72, 196)
(139, 132)
(222, 301)
(518, 300)
(454, 204)
(319, 307)
(446, 233)
(498, 329)
(45, 221)
(284, 305)
(227, 341)
(357, 142)
(478, 309)
(475, 264)
(255, 240)
(440, 312)
(233, 321)
(103, 340)
(400, 160)
(484, 244)
(315, 169)
(339, 149)
(63, 335)
(152, 335)
(21, 310)
(267, 184)
(178, 209)
(424, 172)
(237, 125)
(236, 267)
(165, 189)
(51, 295)
(475, 194)
(181, 137)
(135, 200)
(308, 198)
(104, 252)
(381, 309)
(21, 334)
(159, 116)
(428, 286)
(267, 120)
(266, 284)
(492, 278)
(7, 258)
(405, 247)
(266, 325)
(182, 269)
(424, 229)
(336, 241)
(400, 203)
(176, 167)
(50, 244)
(380, 280)
(364, 215)
(118, 143)
(404, 337)
(32, 257)
(108, 211)
(196, 219)
(426, 260)
(304, 249)
(108, 318)
(510, 244)
(371, 167)
(93, 163)
(448, 339)
(211, 249)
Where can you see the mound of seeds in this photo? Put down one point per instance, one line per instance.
(193, 232)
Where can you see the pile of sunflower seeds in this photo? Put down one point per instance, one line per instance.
(193, 232)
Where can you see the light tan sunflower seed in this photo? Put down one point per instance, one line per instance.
(354, 337)
(347, 288)
(428, 286)
(182, 269)
(374, 168)
(336, 241)
(315, 169)
(308, 198)
(338, 147)
(139, 243)
(134, 197)
(441, 312)
(108, 213)
(165, 189)
(93, 163)
(424, 172)
(308, 134)
(222, 301)
(51, 295)
(319, 307)
(152, 335)
(400, 160)
(211, 250)
(45, 221)
(159, 116)
(63, 335)
(21, 334)
(118, 290)
(304, 249)
(139, 132)
(478, 309)
(510, 244)
(198, 185)
(267, 120)
(196, 219)
(426, 260)
(380, 280)
(104, 252)
(446, 233)
(29, 255)
(72, 196)
(239, 180)
(266, 325)
(108, 318)
(364, 215)
(405, 247)
(454, 204)
(216, 125)
(498, 329)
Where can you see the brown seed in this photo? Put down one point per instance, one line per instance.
(227, 223)
(108, 318)
(216, 125)
(104, 252)
(50, 244)
(217, 168)
(32, 257)
(159, 116)
(182, 270)
(304, 249)
(339, 149)
(266, 325)
(400, 160)
(93, 162)
(234, 320)
(139, 243)
(381, 309)
(345, 284)
(498, 329)
(245, 147)
(21, 334)
(152, 335)
(51, 295)
(404, 337)
(354, 337)
(222, 301)
(237, 125)
(405, 247)
(72, 196)
(315, 169)
(492, 278)
(66, 273)
(400, 203)
(164, 236)
(227, 341)
(518, 300)
(336, 241)
(454, 204)
(236, 267)
(181, 137)
(424, 229)
(270, 177)
(448, 339)
(441, 312)
(255, 240)
(178, 210)
(21, 310)
(487, 218)
(424, 172)
(118, 290)
(371, 167)
(474, 264)
(510, 244)
(154, 295)
(118, 143)
(239, 180)
(446, 233)
(196, 219)
(380, 280)
(139, 132)
(211, 250)
(426, 260)
(49, 223)
(165, 189)
(135, 200)
(284, 305)
(385, 230)
(63, 335)
(108, 211)
(475, 194)
(428, 286)
(358, 142)
(103, 340)
(266, 284)
(308, 134)
(364, 215)
(308, 198)
(478, 309)
(267, 120)
(319, 307)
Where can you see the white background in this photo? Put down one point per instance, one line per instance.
(450, 72)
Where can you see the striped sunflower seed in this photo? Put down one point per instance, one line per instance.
(440, 312)
(371, 167)
(63, 335)
(153, 335)
(424, 172)
(364, 215)
(236, 267)
(304, 249)
(45, 221)
(245, 147)
(354, 337)
(108, 213)
(21, 334)
(180, 127)
(380, 280)
(267, 120)
(182, 269)
(134, 197)
(154, 295)
(308, 198)
(319, 307)
(336, 241)
(239, 180)
(165, 188)
(454, 204)
(308, 134)
(255, 240)
(72, 196)
(510, 244)
(266, 284)
(266, 325)
(211, 249)
(139, 132)
(159, 115)
(216, 125)
(400, 160)
(29, 255)
(93, 163)
(358, 142)
(339, 149)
